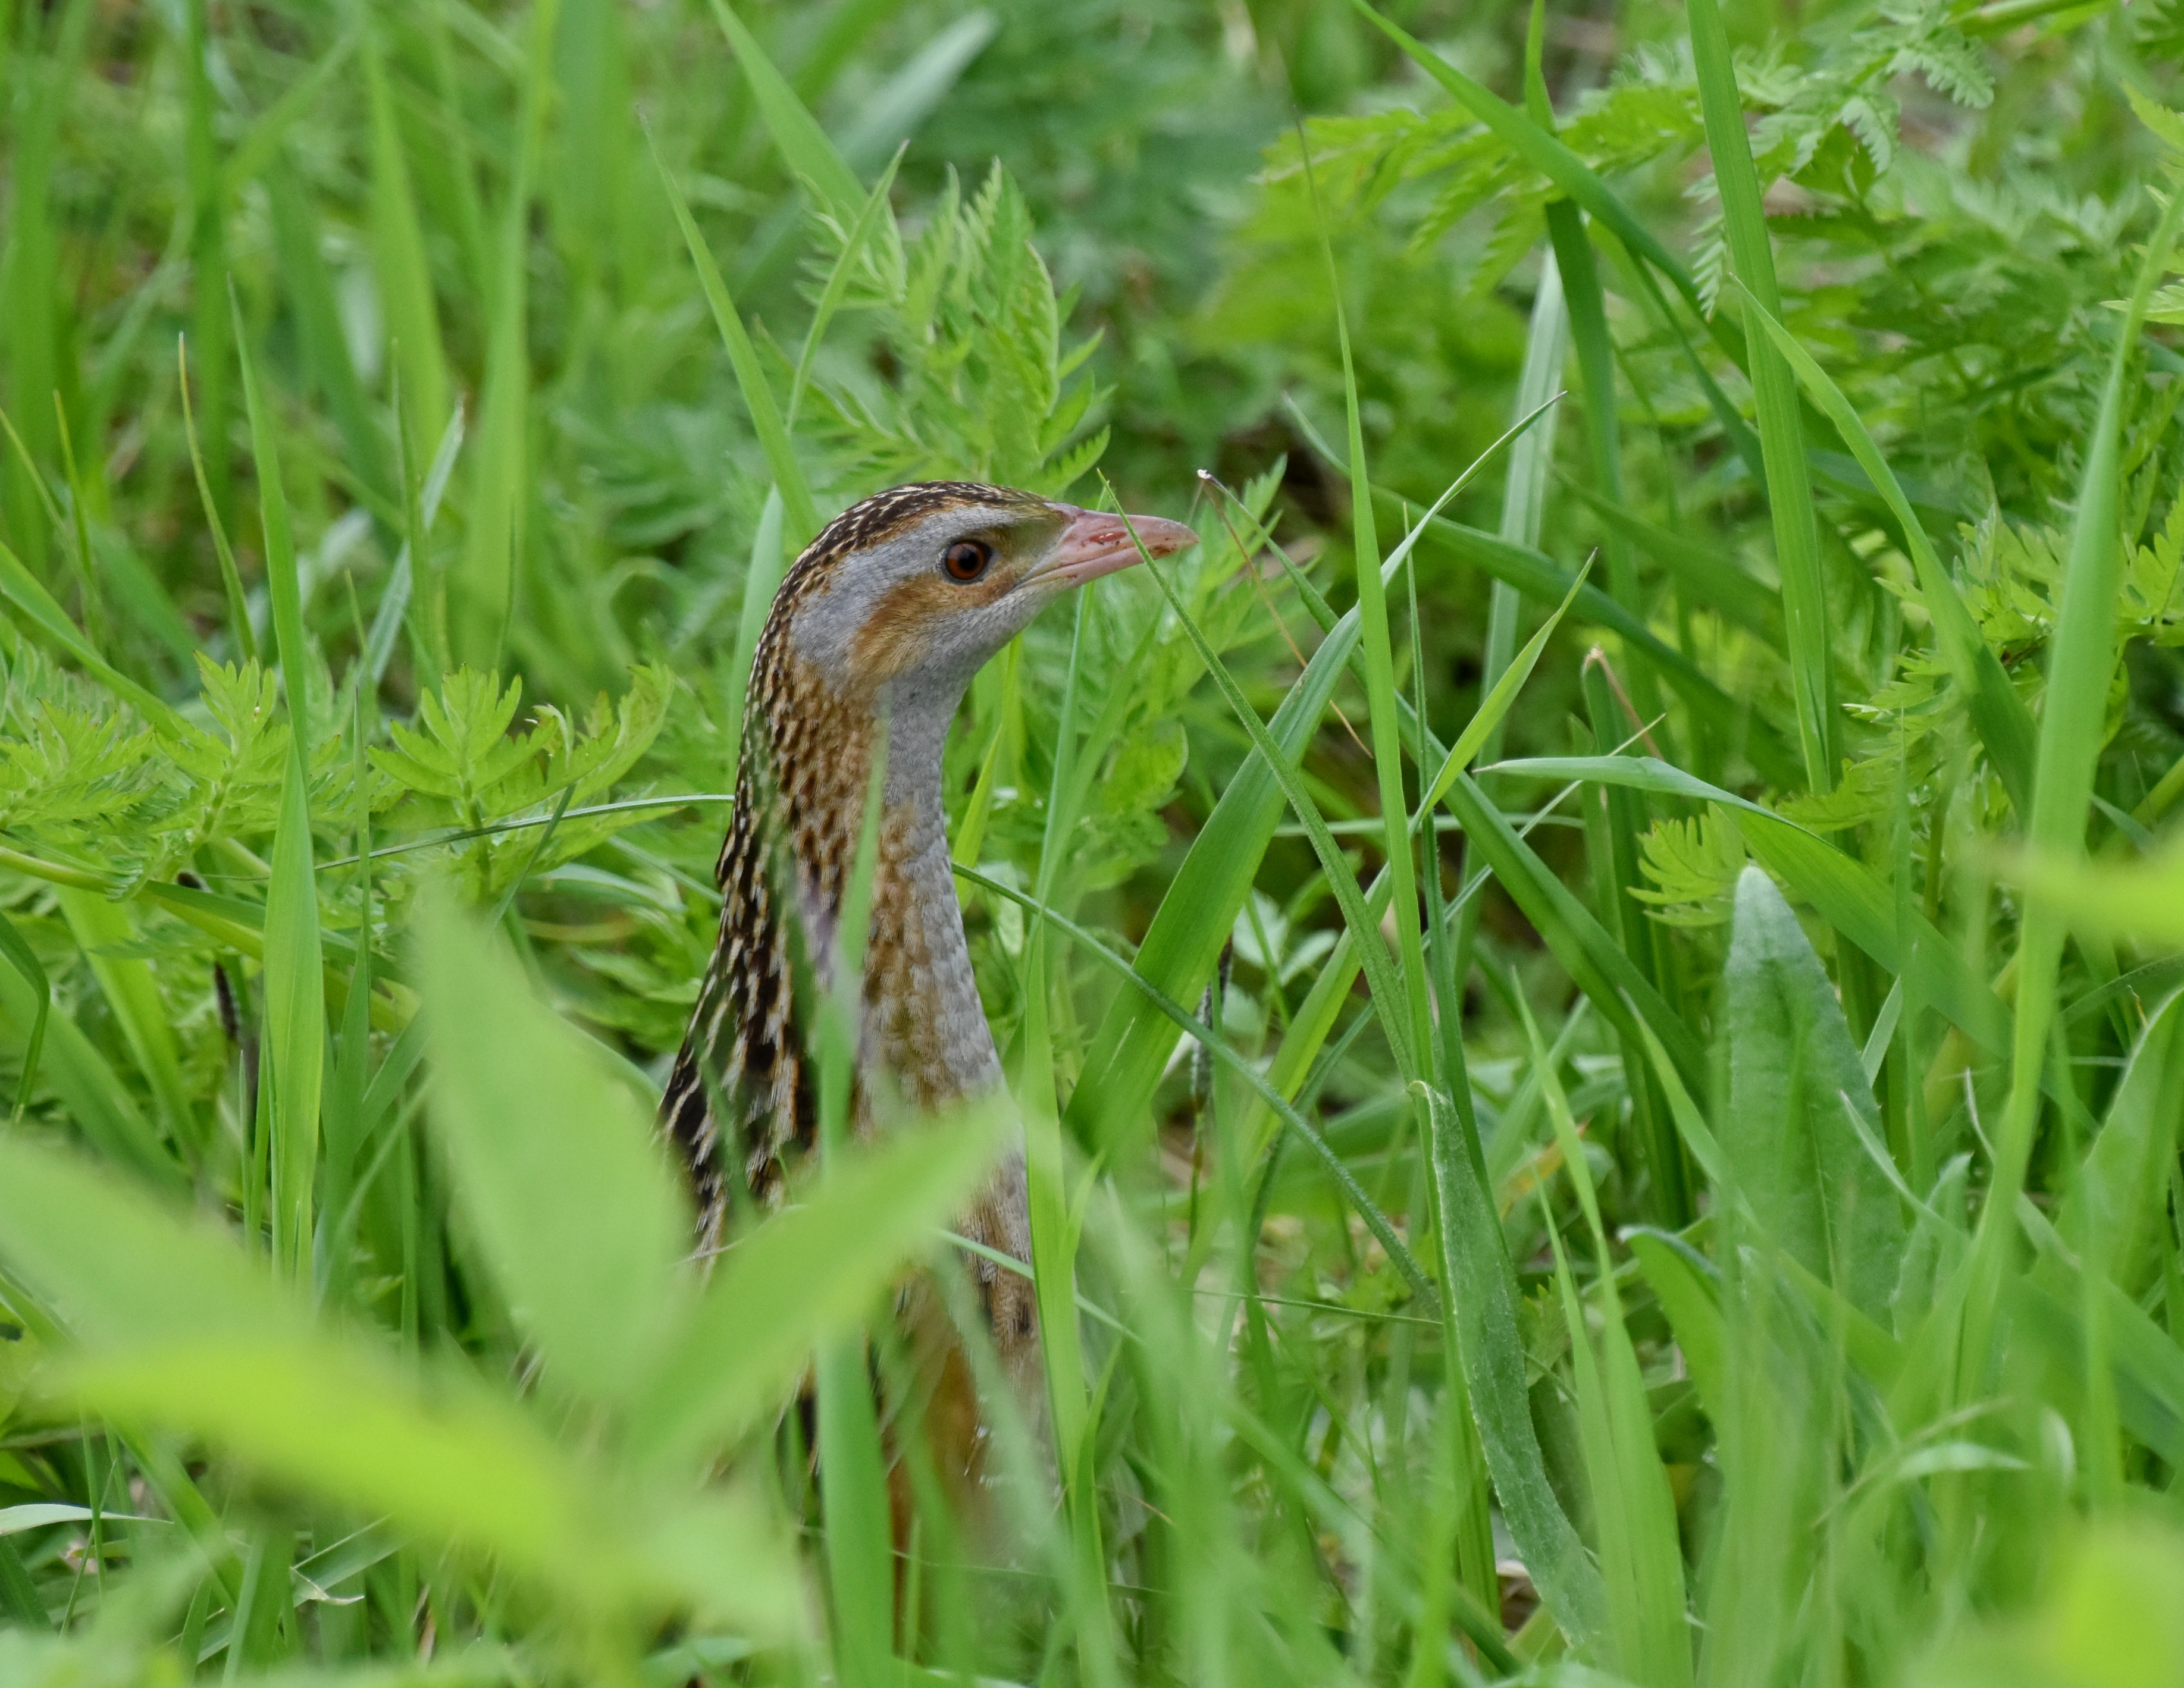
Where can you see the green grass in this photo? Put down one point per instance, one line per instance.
(1592, 982)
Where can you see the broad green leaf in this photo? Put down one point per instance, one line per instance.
(556, 1168)
(809, 1272)
(1792, 1063)
(1483, 1304)
(121, 1269)
(453, 1463)
(1681, 1282)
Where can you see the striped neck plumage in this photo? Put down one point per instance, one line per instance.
(873, 637)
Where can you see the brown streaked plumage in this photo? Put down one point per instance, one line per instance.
(875, 631)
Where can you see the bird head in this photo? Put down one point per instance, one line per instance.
(918, 587)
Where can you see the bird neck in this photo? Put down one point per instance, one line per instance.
(923, 1029)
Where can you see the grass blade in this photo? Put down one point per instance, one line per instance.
(750, 378)
(2081, 663)
(281, 583)
(1782, 434)
(1998, 714)
(295, 1022)
(803, 143)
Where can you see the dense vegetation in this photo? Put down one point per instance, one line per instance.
(1603, 1064)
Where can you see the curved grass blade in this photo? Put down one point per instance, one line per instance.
(837, 279)
(751, 377)
(1781, 433)
(802, 142)
(1999, 716)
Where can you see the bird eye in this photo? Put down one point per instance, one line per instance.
(966, 559)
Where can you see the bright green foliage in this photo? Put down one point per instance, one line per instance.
(1746, 1188)
(1797, 1099)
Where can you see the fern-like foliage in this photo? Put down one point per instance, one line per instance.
(1693, 864)
(973, 377)
(459, 767)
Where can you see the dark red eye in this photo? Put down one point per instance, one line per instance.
(966, 559)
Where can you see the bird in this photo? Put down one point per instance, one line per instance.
(871, 642)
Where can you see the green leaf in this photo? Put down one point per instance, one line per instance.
(556, 1168)
(809, 1272)
(1681, 1281)
(1792, 1067)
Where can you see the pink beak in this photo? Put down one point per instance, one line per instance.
(1093, 544)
